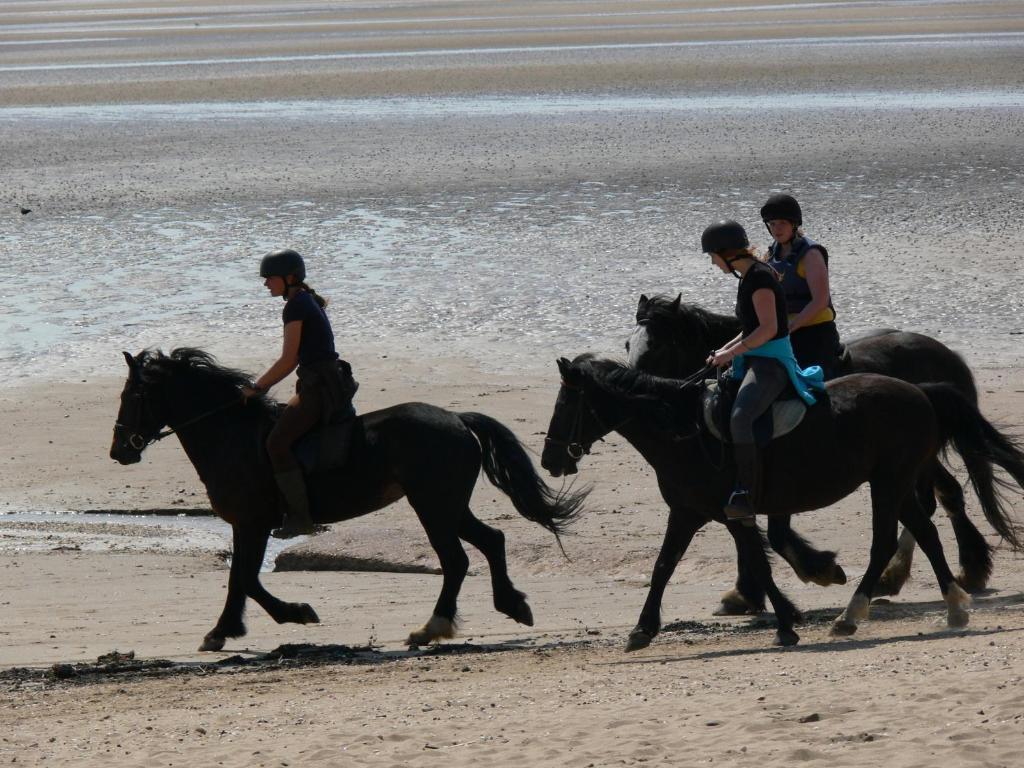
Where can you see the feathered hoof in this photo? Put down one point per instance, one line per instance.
(734, 604)
(891, 581)
(957, 603)
(842, 627)
(786, 637)
(638, 639)
(438, 628)
(972, 584)
(833, 576)
(212, 643)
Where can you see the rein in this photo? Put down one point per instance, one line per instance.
(138, 442)
(576, 448)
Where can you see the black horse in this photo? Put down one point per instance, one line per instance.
(672, 339)
(869, 428)
(425, 453)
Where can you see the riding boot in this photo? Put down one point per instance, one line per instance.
(742, 504)
(297, 521)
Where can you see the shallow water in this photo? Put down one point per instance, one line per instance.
(23, 532)
(508, 279)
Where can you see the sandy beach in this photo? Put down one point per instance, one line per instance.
(485, 186)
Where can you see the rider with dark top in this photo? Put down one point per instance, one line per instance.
(761, 355)
(803, 266)
(324, 385)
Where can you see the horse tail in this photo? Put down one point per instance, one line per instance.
(981, 446)
(508, 467)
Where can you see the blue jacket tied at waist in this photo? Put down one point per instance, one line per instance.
(803, 379)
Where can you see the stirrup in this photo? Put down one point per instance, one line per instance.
(739, 508)
(289, 529)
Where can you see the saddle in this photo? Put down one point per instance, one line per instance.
(328, 446)
(782, 418)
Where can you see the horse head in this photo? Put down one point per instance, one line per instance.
(575, 424)
(141, 415)
(597, 397)
(174, 391)
(671, 339)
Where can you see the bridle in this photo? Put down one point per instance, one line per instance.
(138, 442)
(576, 447)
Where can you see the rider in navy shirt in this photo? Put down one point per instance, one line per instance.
(325, 384)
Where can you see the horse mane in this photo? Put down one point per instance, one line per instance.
(200, 365)
(664, 308)
(652, 394)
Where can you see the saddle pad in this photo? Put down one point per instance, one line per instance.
(785, 415)
(326, 447)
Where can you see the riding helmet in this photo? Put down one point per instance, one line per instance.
(782, 207)
(283, 263)
(724, 236)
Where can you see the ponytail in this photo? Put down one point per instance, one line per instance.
(320, 300)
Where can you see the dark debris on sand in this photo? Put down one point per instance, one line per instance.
(124, 666)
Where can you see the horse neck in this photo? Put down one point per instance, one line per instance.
(207, 420)
(721, 328)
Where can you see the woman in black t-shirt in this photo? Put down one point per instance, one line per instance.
(761, 308)
(324, 386)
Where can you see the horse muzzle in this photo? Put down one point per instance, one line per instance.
(125, 454)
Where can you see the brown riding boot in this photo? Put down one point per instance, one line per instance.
(297, 521)
(742, 504)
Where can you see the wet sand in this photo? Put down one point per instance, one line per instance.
(936, 185)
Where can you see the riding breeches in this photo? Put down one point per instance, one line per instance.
(761, 386)
(295, 421)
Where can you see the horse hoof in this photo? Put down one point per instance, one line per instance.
(638, 639)
(307, 615)
(958, 619)
(843, 628)
(212, 643)
(835, 575)
(786, 637)
(523, 614)
(734, 604)
(974, 585)
(436, 629)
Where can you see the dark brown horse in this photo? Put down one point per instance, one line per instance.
(868, 428)
(427, 454)
(672, 339)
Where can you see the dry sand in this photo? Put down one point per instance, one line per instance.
(905, 691)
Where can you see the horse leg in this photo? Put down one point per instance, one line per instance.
(957, 601)
(884, 524)
(248, 550)
(748, 596)
(808, 563)
(975, 553)
(751, 546)
(454, 565)
(897, 572)
(682, 526)
(231, 622)
(491, 542)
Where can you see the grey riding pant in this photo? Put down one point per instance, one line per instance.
(761, 386)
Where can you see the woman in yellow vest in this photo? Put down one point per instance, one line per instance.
(802, 265)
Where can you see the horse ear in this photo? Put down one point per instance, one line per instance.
(563, 365)
(676, 303)
(643, 302)
(133, 367)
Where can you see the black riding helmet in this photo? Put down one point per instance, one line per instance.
(782, 207)
(283, 263)
(724, 236)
